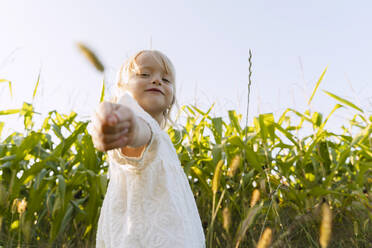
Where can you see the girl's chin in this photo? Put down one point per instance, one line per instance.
(153, 107)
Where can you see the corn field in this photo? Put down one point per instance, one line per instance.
(255, 186)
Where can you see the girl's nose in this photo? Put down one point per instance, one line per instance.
(156, 80)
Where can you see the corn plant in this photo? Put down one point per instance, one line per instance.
(228, 164)
(260, 185)
(59, 176)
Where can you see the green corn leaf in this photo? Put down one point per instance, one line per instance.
(317, 119)
(362, 136)
(303, 117)
(88, 152)
(72, 138)
(10, 111)
(337, 106)
(252, 159)
(236, 141)
(190, 110)
(61, 186)
(286, 133)
(317, 85)
(204, 114)
(198, 173)
(344, 101)
(283, 116)
(217, 129)
(66, 219)
(103, 183)
(266, 125)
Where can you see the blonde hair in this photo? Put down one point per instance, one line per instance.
(131, 66)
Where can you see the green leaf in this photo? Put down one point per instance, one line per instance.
(217, 129)
(344, 101)
(236, 141)
(337, 106)
(1, 127)
(252, 159)
(198, 173)
(234, 118)
(317, 119)
(317, 85)
(362, 136)
(204, 114)
(87, 230)
(286, 133)
(10, 111)
(283, 116)
(319, 191)
(102, 92)
(301, 115)
(266, 122)
(88, 152)
(36, 86)
(61, 186)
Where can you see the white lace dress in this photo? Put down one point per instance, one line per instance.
(149, 202)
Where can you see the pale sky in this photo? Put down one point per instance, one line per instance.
(208, 41)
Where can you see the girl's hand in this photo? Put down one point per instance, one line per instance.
(114, 126)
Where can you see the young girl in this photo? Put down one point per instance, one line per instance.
(148, 202)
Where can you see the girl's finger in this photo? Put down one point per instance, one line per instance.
(123, 141)
(110, 138)
(105, 129)
(104, 112)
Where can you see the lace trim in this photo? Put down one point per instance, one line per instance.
(149, 153)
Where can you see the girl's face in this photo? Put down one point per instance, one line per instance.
(151, 86)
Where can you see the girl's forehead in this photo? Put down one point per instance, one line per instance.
(148, 60)
(151, 60)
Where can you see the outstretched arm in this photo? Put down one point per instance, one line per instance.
(117, 126)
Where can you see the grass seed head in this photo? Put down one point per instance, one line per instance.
(216, 177)
(255, 197)
(226, 217)
(91, 56)
(325, 226)
(265, 239)
(21, 206)
(234, 165)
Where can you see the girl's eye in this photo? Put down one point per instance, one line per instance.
(166, 80)
(143, 74)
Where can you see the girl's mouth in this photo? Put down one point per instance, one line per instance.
(155, 90)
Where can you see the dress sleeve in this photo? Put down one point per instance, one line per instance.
(149, 153)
